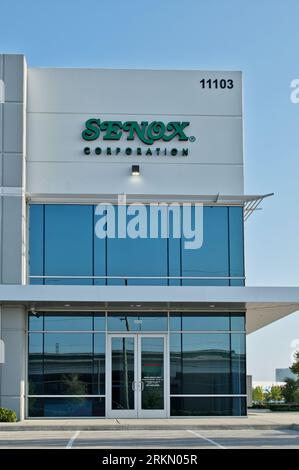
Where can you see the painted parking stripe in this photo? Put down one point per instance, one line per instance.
(206, 439)
(72, 440)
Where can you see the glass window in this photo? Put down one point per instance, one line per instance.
(36, 323)
(66, 407)
(237, 322)
(236, 245)
(212, 259)
(207, 406)
(36, 242)
(99, 322)
(35, 364)
(142, 322)
(196, 321)
(68, 363)
(63, 242)
(238, 355)
(68, 242)
(68, 322)
(199, 363)
(137, 257)
(99, 372)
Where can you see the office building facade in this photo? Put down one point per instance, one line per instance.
(122, 244)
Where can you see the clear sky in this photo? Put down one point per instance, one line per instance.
(259, 37)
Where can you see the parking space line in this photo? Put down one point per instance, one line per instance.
(72, 440)
(206, 439)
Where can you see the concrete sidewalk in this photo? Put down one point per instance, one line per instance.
(255, 420)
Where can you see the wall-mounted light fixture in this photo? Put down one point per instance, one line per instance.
(135, 170)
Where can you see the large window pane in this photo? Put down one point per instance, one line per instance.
(137, 257)
(68, 322)
(236, 245)
(212, 259)
(66, 407)
(35, 364)
(200, 322)
(68, 242)
(36, 323)
(99, 373)
(142, 322)
(238, 355)
(123, 373)
(199, 363)
(207, 406)
(36, 243)
(68, 363)
(237, 322)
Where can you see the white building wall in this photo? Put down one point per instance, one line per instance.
(61, 100)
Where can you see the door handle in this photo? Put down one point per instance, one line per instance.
(134, 385)
(141, 385)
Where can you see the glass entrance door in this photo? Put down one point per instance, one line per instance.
(136, 373)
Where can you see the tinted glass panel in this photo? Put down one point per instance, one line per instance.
(99, 322)
(238, 322)
(123, 367)
(143, 322)
(236, 245)
(68, 364)
(35, 323)
(152, 373)
(195, 321)
(207, 406)
(35, 364)
(137, 256)
(238, 355)
(69, 322)
(199, 363)
(211, 260)
(63, 243)
(68, 242)
(99, 372)
(36, 242)
(64, 407)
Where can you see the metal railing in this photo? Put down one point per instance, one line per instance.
(125, 278)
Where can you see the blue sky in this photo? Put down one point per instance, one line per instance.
(259, 37)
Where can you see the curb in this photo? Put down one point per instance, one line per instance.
(120, 427)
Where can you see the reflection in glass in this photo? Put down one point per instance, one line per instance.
(207, 406)
(122, 363)
(237, 322)
(197, 321)
(238, 363)
(35, 364)
(67, 363)
(68, 322)
(199, 363)
(66, 406)
(36, 323)
(140, 322)
(152, 373)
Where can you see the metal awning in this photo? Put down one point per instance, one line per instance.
(263, 305)
(249, 202)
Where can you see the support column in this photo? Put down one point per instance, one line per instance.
(13, 371)
(13, 259)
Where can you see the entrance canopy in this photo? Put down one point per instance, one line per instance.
(263, 305)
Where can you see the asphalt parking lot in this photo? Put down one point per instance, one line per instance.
(151, 439)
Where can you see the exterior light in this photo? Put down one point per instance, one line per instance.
(135, 170)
